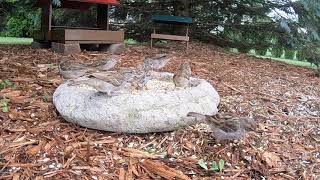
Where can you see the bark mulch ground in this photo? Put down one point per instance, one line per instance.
(36, 143)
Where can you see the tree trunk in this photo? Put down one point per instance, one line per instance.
(181, 8)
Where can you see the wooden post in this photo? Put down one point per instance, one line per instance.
(187, 33)
(46, 18)
(108, 10)
(102, 16)
(154, 31)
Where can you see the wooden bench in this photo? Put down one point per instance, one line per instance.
(177, 20)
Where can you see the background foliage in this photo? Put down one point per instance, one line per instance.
(245, 25)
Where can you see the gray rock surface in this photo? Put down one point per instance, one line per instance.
(157, 108)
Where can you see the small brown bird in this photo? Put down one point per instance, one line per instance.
(98, 84)
(181, 77)
(111, 77)
(157, 62)
(107, 81)
(154, 63)
(109, 63)
(226, 127)
(71, 70)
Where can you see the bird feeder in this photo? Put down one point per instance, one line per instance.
(171, 20)
(63, 36)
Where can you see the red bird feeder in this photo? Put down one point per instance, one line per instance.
(57, 35)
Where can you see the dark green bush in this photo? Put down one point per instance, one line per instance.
(22, 23)
(261, 51)
(313, 56)
(277, 52)
(289, 53)
(301, 55)
(243, 49)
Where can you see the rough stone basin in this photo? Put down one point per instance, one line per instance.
(157, 108)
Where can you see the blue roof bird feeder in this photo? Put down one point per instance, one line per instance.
(175, 20)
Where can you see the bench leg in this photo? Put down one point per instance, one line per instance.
(151, 43)
(187, 45)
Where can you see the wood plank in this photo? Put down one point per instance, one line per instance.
(93, 42)
(93, 35)
(38, 36)
(58, 35)
(169, 37)
(42, 36)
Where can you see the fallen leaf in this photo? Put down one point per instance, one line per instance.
(170, 150)
(79, 144)
(140, 154)
(39, 178)
(189, 145)
(48, 146)
(13, 95)
(271, 159)
(163, 170)
(122, 174)
(16, 176)
(35, 149)
(15, 115)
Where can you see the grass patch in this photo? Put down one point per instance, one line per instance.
(131, 41)
(268, 55)
(15, 41)
(290, 61)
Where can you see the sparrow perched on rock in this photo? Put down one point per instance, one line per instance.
(155, 63)
(111, 77)
(107, 81)
(109, 63)
(98, 84)
(181, 77)
(226, 127)
(70, 70)
(143, 73)
(101, 86)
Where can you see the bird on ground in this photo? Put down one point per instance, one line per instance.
(226, 127)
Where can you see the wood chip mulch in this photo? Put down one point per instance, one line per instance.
(36, 143)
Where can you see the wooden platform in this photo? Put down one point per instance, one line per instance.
(169, 37)
(81, 36)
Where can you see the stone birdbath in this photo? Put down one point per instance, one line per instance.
(156, 106)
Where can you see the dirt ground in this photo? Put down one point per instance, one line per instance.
(36, 143)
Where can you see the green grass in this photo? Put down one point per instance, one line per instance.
(268, 55)
(290, 61)
(293, 61)
(131, 41)
(13, 41)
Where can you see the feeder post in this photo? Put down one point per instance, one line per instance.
(46, 18)
(187, 34)
(103, 16)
